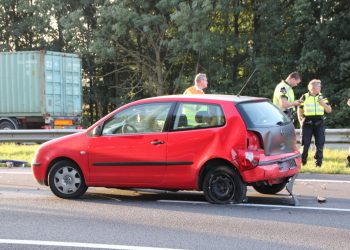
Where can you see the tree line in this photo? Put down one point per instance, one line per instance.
(132, 49)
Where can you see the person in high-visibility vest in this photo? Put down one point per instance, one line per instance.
(200, 83)
(311, 117)
(283, 95)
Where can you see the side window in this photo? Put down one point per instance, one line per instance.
(144, 118)
(198, 115)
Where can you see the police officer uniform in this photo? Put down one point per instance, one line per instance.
(283, 90)
(313, 125)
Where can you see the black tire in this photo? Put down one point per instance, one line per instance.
(66, 180)
(222, 185)
(273, 189)
(7, 125)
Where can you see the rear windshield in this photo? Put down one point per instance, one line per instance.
(257, 114)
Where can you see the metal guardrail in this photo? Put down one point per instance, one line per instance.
(38, 135)
(34, 135)
(333, 135)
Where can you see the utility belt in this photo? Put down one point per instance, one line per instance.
(314, 120)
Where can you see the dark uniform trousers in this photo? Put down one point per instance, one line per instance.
(314, 128)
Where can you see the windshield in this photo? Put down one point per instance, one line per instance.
(257, 114)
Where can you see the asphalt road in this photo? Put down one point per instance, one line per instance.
(31, 217)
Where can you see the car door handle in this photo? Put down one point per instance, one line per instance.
(157, 142)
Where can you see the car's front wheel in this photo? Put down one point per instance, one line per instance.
(270, 189)
(223, 185)
(66, 180)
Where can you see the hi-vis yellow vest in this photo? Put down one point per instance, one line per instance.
(311, 105)
(283, 90)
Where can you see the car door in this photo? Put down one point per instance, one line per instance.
(191, 139)
(131, 150)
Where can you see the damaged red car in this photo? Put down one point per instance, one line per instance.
(218, 144)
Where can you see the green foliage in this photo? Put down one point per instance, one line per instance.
(135, 49)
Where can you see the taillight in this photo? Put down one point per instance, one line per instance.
(251, 156)
(253, 141)
(248, 158)
(245, 159)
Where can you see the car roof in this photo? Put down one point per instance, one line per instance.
(215, 97)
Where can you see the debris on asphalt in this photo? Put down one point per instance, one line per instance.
(321, 199)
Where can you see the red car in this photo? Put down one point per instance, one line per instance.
(215, 143)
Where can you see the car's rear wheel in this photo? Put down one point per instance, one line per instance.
(66, 180)
(270, 189)
(223, 185)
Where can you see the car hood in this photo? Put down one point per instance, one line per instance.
(66, 138)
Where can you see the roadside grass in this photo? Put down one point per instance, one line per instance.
(334, 161)
(18, 152)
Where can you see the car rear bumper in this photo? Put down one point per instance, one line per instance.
(271, 170)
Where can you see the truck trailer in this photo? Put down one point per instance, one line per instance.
(40, 89)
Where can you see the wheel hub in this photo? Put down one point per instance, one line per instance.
(67, 180)
(222, 187)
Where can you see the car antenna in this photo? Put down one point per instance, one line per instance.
(239, 93)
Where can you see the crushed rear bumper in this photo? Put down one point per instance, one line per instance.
(274, 170)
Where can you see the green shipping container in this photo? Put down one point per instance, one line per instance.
(35, 83)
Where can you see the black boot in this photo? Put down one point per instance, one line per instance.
(318, 164)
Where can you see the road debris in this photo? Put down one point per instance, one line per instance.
(321, 199)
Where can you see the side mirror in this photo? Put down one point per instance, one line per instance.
(97, 131)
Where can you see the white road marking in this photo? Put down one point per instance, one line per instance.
(21, 173)
(78, 244)
(318, 180)
(274, 207)
(294, 207)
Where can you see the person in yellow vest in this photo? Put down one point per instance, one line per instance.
(311, 117)
(283, 95)
(200, 83)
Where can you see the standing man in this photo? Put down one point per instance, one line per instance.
(311, 117)
(200, 83)
(283, 96)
